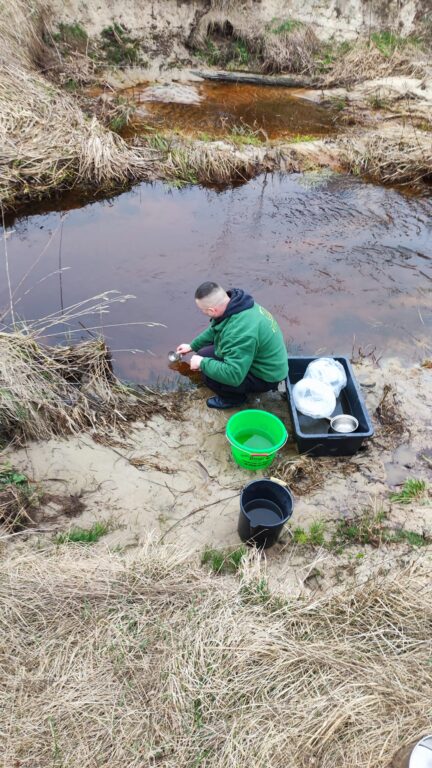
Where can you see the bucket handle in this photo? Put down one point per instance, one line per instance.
(238, 448)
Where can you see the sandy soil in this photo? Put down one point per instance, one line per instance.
(178, 481)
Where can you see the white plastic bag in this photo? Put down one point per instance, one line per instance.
(314, 398)
(329, 371)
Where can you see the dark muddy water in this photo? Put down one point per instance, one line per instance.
(339, 262)
(273, 112)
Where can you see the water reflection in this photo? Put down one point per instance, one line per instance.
(337, 261)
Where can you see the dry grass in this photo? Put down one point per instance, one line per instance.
(393, 155)
(392, 425)
(304, 475)
(149, 661)
(293, 51)
(19, 500)
(213, 163)
(47, 142)
(62, 390)
(365, 61)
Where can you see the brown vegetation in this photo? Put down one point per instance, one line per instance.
(148, 660)
(48, 143)
(365, 61)
(47, 391)
(53, 139)
(397, 154)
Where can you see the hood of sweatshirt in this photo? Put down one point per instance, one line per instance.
(239, 301)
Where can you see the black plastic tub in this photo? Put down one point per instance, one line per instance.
(265, 507)
(314, 436)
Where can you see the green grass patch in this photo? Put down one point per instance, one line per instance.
(370, 528)
(302, 137)
(204, 136)
(83, 535)
(158, 141)
(19, 497)
(210, 54)
(373, 529)
(244, 134)
(338, 103)
(280, 27)
(413, 490)
(71, 85)
(329, 53)
(378, 102)
(413, 538)
(387, 42)
(241, 52)
(223, 561)
(9, 476)
(313, 537)
(119, 47)
(72, 35)
(118, 123)
(364, 529)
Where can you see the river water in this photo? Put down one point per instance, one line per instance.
(213, 110)
(340, 263)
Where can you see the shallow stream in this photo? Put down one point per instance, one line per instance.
(342, 264)
(213, 110)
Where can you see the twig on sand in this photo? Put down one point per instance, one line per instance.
(195, 511)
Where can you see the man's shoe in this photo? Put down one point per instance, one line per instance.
(219, 402)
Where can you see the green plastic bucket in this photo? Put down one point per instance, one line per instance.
(255, 437)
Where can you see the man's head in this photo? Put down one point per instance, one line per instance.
(211, 299)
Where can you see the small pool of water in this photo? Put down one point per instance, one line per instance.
(339, 262)
(269, 111)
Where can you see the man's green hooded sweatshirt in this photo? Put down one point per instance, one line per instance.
(248, 339)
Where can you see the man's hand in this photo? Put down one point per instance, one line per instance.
(195, 362)
(183, 349)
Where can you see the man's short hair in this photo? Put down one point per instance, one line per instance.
(206, 289)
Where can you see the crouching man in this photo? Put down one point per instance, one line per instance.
(242, 351)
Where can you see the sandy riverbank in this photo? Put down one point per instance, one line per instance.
(177, 481)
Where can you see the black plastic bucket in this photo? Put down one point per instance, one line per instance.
(265, 507)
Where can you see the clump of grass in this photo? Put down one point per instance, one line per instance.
(378, 102)
(413, 490)
(413, 538)
(83, 535)
(278, 26)
(368, 528)
(61, 390)
(190, 163)
(300, 138)
(223, 561)
(43, 154)
(73, 36)
(388, 42)
(373, 529)
(338, 103)
(313, 537)
(391, 155)
(329, 53)
(209, 53)
(19, 499)
(121, 114)
(241, 52)
(243, 134)
(119, 47)
(380, 56)
(292, 47)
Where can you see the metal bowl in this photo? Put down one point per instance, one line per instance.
(343, 424)
(174, 357)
